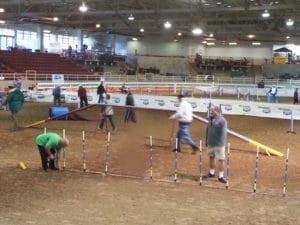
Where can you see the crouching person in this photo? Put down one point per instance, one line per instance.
(50, 146)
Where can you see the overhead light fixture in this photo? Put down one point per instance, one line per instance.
(142, 30)
(197, 31)
(179, 34)
(98, 25)
(83, 8)
(289, 22)
(287, 37)
(167, 25)
(2, 21)
(211, 35)
(250, 36)
(55, 19)
(256, 43)
(204, 42)
(47, 31)
(232, 43)
(265, 14)
(130, 17)
(210, 43)
(134, 39)
(2, 10)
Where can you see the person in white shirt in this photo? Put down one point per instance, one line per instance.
(184, 116)
(107, 113)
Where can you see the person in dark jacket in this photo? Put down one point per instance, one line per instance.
(15, 100)
(82, 96)
(130, 113)
(101, 91)
(56, 95)
(296, 96)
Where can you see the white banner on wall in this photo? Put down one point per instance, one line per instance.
(230, 107)
(58, 78)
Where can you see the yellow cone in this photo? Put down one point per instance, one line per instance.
(22, 165)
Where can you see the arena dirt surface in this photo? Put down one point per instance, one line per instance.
(67, 197)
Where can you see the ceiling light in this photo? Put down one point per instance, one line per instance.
(289, 22)
(47, 31)
(210, 43)
(98, 25)
(232, 43)
(134, 39)
(55, 19)
(287, 37)
(204, 42)
(197, 31)
(256, 43)
(179, 34)
(2, 10)
(211, 35)
(2, 21)
(265, 14)
(83, 8)
(251, 36)
(175, 40)
(167, 25)
(130, 17)
(142, 30)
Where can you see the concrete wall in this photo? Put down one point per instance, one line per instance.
(274, 70)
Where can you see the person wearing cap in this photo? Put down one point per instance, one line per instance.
(184, 115)
(50, 146)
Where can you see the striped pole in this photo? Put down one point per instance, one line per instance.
(64, 151)
(285, 172)
(256, 169)
(45, 130)
(228, 166)
(176, 161)
(200, 159)
(107, 153)
(83, 151)
(151, 159)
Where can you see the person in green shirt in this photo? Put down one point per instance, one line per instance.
(50, 146)
(14, 100)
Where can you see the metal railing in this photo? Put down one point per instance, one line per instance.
(141, 78)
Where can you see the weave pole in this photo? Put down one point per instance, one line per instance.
(83, 152)
(200, 166)
(285, 172)
(176, 161)
(151, 159)
(64, 151)
(107, 153)
(256, 169)
(45, 130)
(228, 166)
(291, 124)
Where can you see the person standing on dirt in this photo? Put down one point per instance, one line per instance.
(15, 101)
(296, 99)
(101, 91)
(130, 113)
(107, 113)
(82, 96)
(56, 95)
(50, 147)
(184, 115)
(216, 135)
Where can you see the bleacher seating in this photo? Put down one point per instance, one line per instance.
(43, 63)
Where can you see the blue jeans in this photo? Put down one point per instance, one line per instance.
(183, 133)
(101, 99)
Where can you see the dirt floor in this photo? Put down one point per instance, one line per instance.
(127, 195)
